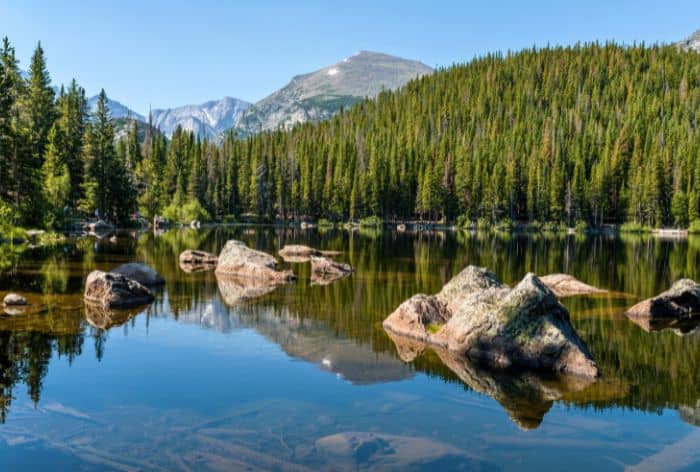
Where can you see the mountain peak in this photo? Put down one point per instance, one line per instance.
(320, 94)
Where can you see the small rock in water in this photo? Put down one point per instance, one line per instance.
(565, 285)
(325, 271)
(192, 260)
(14, 299)
(682, 300)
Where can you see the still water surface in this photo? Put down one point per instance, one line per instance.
(305, 378)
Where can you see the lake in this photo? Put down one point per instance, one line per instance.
(305, 378)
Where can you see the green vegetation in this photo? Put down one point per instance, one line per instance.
(694, 227)
(596, 134)
(371, 222)
(635, 228)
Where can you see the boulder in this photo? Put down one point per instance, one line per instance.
(417, 317)
(680, 301)
(113, 290)
(193, 260)
(401, 227)
(143, 274)
(565, 285)
(195, 224)
(477, 316)
(14, 299)
(324, 270)
(238, 259)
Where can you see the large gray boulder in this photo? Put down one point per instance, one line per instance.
(143, 274)
(238, 259)
(680, 301)
(113, 290)
(193, 260)
(489, 322)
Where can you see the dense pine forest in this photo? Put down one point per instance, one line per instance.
(592, 133)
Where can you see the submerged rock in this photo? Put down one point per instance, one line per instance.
(477, 316)
(324, 270)
(238, 259)
(196, 261)
(680, 301)
(14, 299)
(143, 274)
(565, 285)
(113, 290)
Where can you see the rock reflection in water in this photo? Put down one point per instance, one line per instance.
(683, 327)
(103, 318)
(526, 396)
(235, 289)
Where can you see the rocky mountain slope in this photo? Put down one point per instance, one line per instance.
(692, 42)
(320, 94)
(210, 119)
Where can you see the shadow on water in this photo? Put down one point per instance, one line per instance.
(338, 326)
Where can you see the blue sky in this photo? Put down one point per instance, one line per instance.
(169, 53)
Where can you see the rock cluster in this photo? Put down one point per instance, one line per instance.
(477, 316)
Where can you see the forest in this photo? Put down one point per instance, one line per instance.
(588, 134)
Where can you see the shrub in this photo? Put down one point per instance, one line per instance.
(581, 226)
(505, 226)
(553, 227)
(324, 223)
(483, 223)
(694, 227)
(371, 221)
(191, 210)
(463, 221)
(634, 227)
